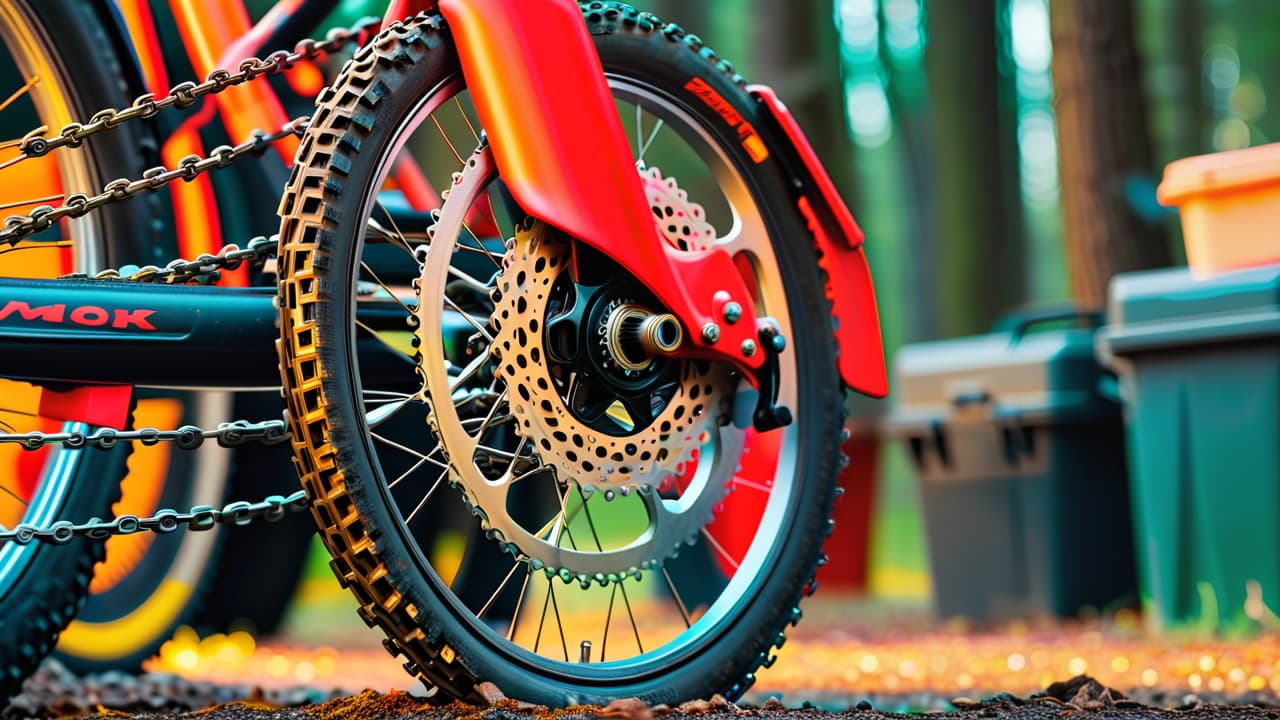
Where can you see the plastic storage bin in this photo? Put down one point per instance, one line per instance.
(1022, 471)
(1199, 363)
(1230, 207)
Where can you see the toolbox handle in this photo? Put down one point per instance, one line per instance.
(1022, 320)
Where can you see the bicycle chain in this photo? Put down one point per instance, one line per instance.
(229, 435)
(183, 95)
(200, 518)
(204, 269)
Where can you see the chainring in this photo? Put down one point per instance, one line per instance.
(646, 458)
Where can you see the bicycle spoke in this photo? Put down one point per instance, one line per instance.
(684, 612)
(469, 371)
(524, 588)
(639, 133)
(645, 148)
(470, 281)
(37, 246)
(402, 448)
(466, 120)
(14, 161)
(378, 336)
(744, 483)
(516, 455)
(564, 520)
(634, 628)
(398, 238)
(556, 607)
(13, 495)
(470, 319)
(384, 286)
(386, 396)
(546, 603)
(590, 523)
(489, 418)
(19, 93)
(608, 618)
(498, 592)
(385, 412)
(33, 201)
(445, 135)
(720, 549)
(493, 257)
(425, 460)
(488, 198)
(426, 497)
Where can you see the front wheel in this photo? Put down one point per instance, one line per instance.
(646, 545)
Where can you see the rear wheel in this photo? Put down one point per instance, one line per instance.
(148, 585)
(42, 586)
(648, 547)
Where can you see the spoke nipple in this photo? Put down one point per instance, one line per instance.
(732, 312)
(749, 348)
(710, 333)
(584, 655)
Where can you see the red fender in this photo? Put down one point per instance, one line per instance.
(839, 240)
(540, 92)
(403, 9)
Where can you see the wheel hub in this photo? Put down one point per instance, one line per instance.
(635, 336)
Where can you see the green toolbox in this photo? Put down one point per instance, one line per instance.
(1020, 456)
(1199, 368)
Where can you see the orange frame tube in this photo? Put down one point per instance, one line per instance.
(209, 28)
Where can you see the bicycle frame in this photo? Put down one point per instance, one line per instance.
(536, 100)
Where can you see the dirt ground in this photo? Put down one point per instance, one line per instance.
(56, 693)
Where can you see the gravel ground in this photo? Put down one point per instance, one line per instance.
(54, 692)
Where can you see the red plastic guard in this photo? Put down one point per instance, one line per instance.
(99, 405)
(839, 239)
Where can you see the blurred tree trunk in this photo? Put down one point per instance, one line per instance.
(980, 262)
(1103, 145)
(906, 88)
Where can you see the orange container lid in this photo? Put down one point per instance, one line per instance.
(1224, 172)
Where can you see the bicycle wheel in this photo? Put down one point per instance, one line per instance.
(594, 469)
(60, 66)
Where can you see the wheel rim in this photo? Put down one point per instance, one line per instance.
(746, 235)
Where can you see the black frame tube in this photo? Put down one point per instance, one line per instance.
(77, 332)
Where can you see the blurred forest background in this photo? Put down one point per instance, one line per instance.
(996, 152)
(974, 180)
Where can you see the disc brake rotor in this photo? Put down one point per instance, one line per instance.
(549, 434)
